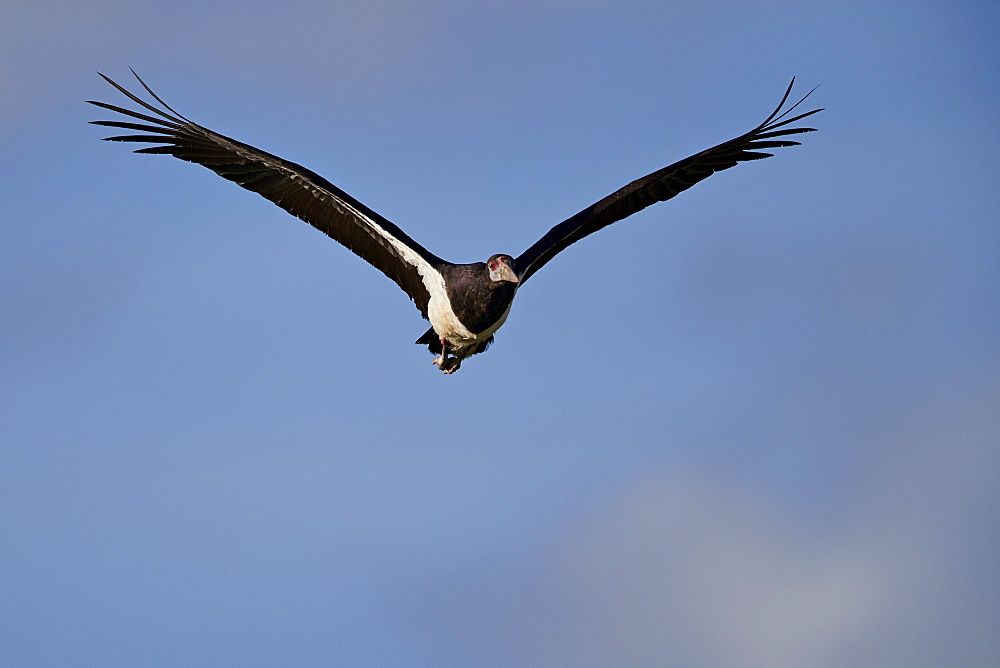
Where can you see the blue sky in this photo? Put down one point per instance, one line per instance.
(755, 425)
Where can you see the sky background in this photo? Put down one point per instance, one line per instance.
(755, 425)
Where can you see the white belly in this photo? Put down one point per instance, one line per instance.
(447, 325)
(445, 322)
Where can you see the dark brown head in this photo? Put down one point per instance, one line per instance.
(501, 268)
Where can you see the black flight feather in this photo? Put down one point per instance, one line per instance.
(294, 188)
(663, 184)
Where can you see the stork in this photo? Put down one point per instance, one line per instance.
(465, 303)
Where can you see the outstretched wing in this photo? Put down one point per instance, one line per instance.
(664, 184)
(294, 188)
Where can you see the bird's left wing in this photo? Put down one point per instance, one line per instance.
(294, 188)
(663, 184)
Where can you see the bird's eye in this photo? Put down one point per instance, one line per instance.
(493, 266)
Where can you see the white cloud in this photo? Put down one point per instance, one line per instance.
(692, 567)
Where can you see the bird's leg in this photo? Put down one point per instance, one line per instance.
(452, 363)
(440, 360)
(444, 363)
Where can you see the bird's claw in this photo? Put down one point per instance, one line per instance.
(447, 365)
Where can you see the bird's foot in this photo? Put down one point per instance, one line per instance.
(443, 362)
(447, 364)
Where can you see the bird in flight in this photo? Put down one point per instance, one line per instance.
(465, 303)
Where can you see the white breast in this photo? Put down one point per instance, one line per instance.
(439, 311)
(443, 318)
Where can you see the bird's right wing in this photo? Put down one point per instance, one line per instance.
(663, 184)
(294, 188)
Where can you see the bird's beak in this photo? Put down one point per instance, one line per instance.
(507, 274)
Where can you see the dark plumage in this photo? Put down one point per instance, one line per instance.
(465, 303)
